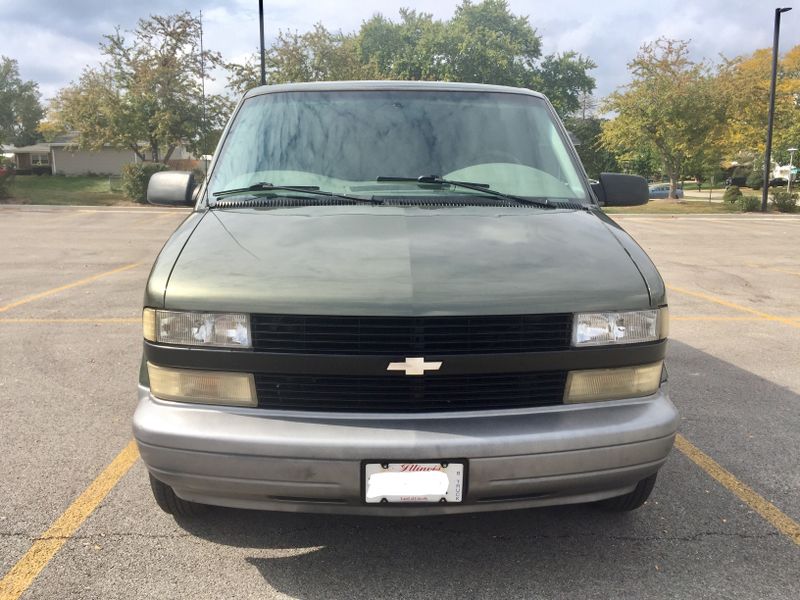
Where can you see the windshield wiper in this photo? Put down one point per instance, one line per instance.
(469, 185)
(263, 186)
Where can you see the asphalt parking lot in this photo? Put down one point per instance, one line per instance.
(721, 523)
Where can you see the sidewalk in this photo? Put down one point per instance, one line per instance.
(715, 196)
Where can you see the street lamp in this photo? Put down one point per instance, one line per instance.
(261, 36)
(775, 37)
(791, 156)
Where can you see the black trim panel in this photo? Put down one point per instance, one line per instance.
(322, 364)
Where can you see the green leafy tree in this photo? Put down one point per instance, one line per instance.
(670, 108)
(317, 55)
(595, 157)
(704, 164)
(482, 43)
(486, 43)
(147, 89)
(645, 162)
(20, 110)
(743, 86)
(410, 49)
(565, 79)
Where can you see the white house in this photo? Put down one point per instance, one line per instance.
(63, 157)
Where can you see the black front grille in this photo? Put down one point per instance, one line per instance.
(411, 336)
(408, 393)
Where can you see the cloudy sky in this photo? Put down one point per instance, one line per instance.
(54, 39)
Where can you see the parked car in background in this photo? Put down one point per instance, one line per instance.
(661, 190)
(778, 182)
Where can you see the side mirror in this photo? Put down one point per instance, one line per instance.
(171, 188)
(616, 189)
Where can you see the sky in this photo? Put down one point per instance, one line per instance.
(53, 40)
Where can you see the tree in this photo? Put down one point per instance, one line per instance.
(147, 89)
(704, 164)
(588, 105)
(787, 103)
(20, 110)
(481, 43)
(410, 49)
(317, 55)
(743, 85)
(670, 108)
(565, 79)
(486, 43)
(596, 159)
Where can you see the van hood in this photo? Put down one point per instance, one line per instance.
(357, 260)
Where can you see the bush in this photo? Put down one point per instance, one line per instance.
(749, 203)
(756, 179)
(784, 202)
(732, 194)
(135, 178)
(6, 179)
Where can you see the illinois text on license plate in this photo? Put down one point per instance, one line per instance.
(414, 482)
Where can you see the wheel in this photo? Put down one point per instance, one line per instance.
(632, 500)
(171, 504)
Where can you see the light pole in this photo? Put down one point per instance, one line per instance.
(791, 156)
(261, 36)
(775, 37)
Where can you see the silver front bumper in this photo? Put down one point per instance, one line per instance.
(252, 458)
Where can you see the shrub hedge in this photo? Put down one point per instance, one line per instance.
(136, 176)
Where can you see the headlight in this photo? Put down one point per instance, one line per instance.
(221, 330)
(204, 387)
(596, 385)
(629, 327)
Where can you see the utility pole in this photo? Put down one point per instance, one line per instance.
(775, 38)
(261, 29)
(203, 79)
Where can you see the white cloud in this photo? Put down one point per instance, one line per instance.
(48, 57)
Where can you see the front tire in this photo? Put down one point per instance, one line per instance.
(171, 504)
(631, 500)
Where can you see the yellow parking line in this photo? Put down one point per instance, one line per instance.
(781, 521)
(707, 318)
(88, 320)
(22, 574)
(61, 288)
(720, 301)
(776, 269)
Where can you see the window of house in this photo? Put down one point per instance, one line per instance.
(40, 159)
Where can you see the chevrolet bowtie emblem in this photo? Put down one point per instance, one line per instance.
(414, 366)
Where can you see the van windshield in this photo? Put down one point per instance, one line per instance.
(343, 141)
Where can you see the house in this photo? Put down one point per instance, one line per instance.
(33, 159)
(62, 156)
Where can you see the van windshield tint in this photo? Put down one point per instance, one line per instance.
(341, 141)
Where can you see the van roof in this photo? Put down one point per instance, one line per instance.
(319, 86)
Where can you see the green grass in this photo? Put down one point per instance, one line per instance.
(48, 189)
(672, 207)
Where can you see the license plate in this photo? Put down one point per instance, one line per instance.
(406, 482)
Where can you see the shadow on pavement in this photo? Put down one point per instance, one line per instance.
(510, 553)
